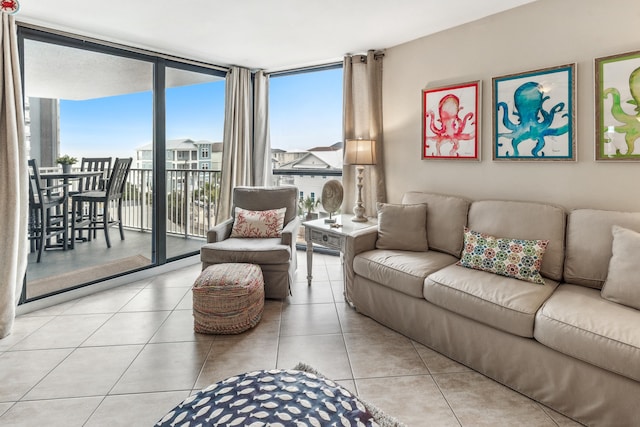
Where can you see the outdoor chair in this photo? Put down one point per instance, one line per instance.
(95, 164)
(276, 256)
(47, 217)
(93, 183)
(111, 195)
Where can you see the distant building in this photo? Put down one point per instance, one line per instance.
(184, 154)
(335, 147)
(310, 171)
(282, 157)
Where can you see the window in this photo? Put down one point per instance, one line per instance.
(195, 113)
(305, 111)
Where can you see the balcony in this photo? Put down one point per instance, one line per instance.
(192, 198)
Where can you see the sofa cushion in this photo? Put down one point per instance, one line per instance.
(517, 258)
(524, 220)
(589, 241)
(253, 251)
(578, 322)
(502, 302)
(446, 217)
(622, 285)
(402, 227)
(402, 271)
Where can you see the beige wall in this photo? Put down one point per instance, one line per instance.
(542, 34)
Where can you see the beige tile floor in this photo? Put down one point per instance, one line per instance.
(126, 356)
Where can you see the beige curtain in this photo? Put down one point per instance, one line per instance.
(14, 205)
(246, 155)
(362, 118)
(237, 147)
(262, 142)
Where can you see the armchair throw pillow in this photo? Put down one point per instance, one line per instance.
(622, 285)
(517, 258)
(267, 223)
(402, 227)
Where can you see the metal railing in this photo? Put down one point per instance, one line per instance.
(191, 200)
(192, 197)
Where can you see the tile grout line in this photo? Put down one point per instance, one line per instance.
(413, 343)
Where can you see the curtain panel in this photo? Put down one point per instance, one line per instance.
(237, 158)
(362, 118)
(262, 142)
(246, 149)
(14, 205)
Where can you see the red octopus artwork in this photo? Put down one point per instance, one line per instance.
(446, 128)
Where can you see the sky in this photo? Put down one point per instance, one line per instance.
(305, 111)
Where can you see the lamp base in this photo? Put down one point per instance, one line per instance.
(359, 219)
(358, 209)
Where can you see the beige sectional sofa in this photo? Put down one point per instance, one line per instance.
(561, 343)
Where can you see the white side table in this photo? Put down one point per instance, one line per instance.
(327, 235)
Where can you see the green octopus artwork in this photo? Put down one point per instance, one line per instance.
(630, 126)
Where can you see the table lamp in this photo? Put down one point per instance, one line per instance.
(360, 152)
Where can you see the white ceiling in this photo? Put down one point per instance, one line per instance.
(61, 72)
(258, 34)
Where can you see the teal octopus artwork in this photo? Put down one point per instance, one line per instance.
(533, 121)
(630, 126)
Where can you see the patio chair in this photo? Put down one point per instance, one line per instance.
(112, 194)
(276, 256)
(95, 164)
(47, 218)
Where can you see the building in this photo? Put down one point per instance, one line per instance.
(310, 171)
(183, 154)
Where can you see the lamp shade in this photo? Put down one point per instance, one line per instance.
(360, 152)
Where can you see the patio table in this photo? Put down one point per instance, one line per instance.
(66, 177)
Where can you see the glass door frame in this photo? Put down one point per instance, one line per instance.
(159, 63)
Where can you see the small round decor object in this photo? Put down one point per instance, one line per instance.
(9, 6)
(332, 194)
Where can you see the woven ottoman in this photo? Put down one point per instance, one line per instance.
(228, 298)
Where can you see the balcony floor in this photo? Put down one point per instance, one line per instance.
(92, 261)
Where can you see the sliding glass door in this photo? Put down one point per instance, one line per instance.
(85, 104)
(95, 102)
(193, 154)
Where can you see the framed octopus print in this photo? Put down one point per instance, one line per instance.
(618, 107)
(534, 115)
(450, 122)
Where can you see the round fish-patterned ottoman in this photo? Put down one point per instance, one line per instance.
(275, 398)
(228, 298)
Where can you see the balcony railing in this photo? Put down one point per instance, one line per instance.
(191, 200)
(192, 197)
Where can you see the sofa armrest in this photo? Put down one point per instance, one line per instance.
(290, 233)
(220, 232)
(356, 243)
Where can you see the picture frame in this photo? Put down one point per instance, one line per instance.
(451, 121)
(617, 102)
(534, 115)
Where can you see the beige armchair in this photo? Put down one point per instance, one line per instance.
(275, 256)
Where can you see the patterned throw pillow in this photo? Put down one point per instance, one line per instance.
(258, 223)
(517, 258)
